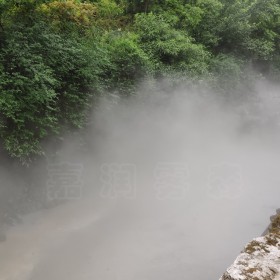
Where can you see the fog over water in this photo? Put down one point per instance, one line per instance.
(172, 186)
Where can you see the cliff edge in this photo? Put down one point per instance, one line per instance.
(260, 259)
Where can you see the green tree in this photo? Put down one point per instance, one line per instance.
(129, 64)
(46, 83)
(169, 48)
(264, 42)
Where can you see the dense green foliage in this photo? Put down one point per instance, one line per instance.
(57, 56)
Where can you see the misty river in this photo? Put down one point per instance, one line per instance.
(173, 187)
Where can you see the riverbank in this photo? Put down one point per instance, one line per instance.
(260, 259)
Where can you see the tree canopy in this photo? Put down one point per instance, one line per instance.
(57, 56)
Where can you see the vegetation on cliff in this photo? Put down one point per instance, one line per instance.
(57, 56)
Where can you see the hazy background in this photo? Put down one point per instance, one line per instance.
(163, 185)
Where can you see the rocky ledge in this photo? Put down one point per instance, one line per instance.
(260, 259)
